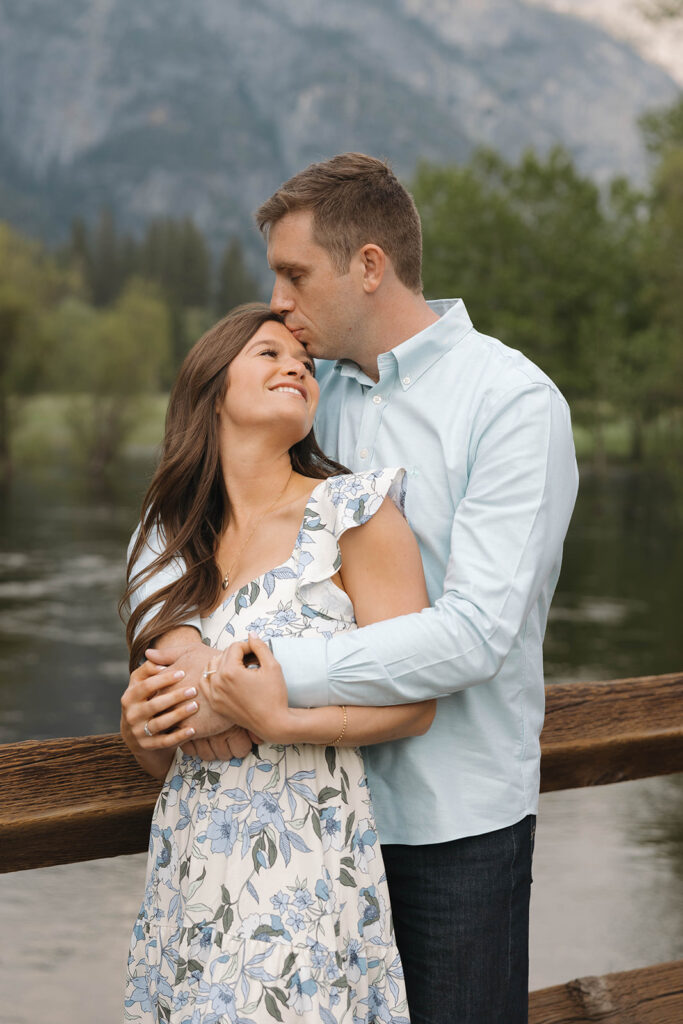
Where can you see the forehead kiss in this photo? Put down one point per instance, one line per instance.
(278, 334)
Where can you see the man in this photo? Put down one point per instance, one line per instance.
(486, 440)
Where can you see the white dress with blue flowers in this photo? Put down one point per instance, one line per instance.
(266, 898)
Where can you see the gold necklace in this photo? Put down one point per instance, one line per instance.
(226, 579)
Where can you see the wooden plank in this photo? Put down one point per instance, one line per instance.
(597, 733)
(77, 799)
(72, 799)
(649, 995)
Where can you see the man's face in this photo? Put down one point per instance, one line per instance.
(322, 309)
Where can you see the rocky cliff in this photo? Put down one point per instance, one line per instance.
(203, 106)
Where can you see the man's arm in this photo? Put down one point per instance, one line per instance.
(506, 537)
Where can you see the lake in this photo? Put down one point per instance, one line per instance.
(609, 861)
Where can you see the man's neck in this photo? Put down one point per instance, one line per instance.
(399, 319)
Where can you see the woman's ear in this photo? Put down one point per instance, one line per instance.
(374, 263)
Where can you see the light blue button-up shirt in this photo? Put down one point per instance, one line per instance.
(486, 440)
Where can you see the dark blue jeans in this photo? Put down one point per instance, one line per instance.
(461, 914)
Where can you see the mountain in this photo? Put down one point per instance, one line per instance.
(654, 28)
(204, 106)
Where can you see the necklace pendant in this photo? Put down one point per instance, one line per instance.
(226, 581)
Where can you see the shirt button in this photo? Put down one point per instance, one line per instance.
(363, 453)
(377, 399)
(406, 381)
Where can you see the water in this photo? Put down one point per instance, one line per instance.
(616, 611)
(609, 861)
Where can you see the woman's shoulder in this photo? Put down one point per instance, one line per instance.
(351, 499)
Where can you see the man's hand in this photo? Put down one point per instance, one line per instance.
(217, 735)
(234, 742)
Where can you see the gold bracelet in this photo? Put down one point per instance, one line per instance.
(341, 734)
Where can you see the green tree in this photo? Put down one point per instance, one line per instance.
(103, 265)
(549, 263)
(527, 246)
(661, 352)
(31, 284)
(663, 129)
(235, 284)
(174, 255)
(107, 360)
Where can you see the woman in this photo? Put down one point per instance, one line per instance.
(266, 898)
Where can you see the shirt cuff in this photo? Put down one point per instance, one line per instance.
(304, 665)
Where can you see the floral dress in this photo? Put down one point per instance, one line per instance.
(266, 898)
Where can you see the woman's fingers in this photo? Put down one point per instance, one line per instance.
(232, 656)
(261, 649)
(163, 740)
(147, 685)
(161, 723)
(168, 699)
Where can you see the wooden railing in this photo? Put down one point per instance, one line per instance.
(78, 799)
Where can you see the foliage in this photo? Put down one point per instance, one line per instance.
(106, 359)
(663, 129)
(587, 282)
(174, 255)
(31, 284)
(235, 284)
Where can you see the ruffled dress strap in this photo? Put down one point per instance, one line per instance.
(338, 504)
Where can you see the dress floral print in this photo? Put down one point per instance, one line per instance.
(266, 898)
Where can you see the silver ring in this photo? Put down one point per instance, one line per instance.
(148, 731)
(208, 672)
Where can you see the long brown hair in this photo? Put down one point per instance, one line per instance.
(186, 503)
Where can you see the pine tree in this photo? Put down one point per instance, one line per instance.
(235, 284)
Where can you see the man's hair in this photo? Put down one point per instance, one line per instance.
(355, 199)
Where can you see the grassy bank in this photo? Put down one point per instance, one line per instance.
(42, 432)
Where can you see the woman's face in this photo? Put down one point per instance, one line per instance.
(271, 382)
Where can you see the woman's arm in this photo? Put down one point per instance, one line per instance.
(382, 574)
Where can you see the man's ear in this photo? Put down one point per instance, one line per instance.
(373, 262)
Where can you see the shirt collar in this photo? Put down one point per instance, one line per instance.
(416, 355)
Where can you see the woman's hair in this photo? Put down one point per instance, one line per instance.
(186, 507)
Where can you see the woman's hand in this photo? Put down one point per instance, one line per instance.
(153, 700)
(255, 697)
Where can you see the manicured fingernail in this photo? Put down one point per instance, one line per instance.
(192, 706)
(189, 732)
(179, 675)
(192, 692)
